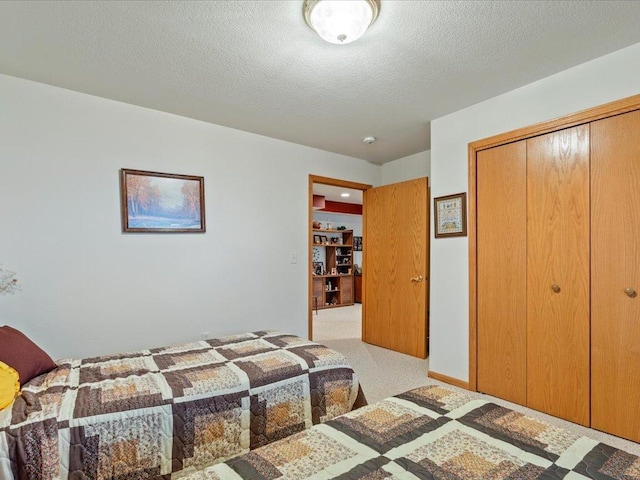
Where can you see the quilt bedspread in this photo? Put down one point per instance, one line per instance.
(153, 413)
(431, 433)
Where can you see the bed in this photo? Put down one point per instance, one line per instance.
(431, 433)
(155, 413)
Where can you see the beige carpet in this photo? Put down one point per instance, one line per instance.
(383, 373)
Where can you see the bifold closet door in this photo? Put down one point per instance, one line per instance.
(501, 189)
(615, 250)
(558, 288)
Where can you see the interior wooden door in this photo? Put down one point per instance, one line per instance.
(558, 274)
(395, 267)
(615, 254)
(501, 218)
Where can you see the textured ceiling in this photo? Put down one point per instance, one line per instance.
(256, 65)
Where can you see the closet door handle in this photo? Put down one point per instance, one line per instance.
(631, 293)
(555, 288)
(417, 279)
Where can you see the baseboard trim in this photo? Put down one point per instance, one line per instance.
(447, 379)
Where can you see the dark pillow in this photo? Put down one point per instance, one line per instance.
(20, 353)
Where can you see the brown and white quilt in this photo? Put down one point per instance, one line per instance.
(431, 433)
(152, 413)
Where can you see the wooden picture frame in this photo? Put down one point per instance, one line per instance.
(324, 239)
(318, 268)
(154, 202)
(450, 215)
(316, 239)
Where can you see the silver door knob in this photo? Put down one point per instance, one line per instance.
(555, 288)
(631, 293)
(417, 279)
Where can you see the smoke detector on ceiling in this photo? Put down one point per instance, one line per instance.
(368, 140)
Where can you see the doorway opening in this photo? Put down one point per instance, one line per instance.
(335, 258)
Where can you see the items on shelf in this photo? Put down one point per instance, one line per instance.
(333, 279)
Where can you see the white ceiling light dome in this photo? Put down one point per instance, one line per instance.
(340, 21)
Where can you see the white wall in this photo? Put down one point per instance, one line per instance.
(88, 289)
(599, 81)
(407, 168)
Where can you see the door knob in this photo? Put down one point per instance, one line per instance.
(555, 288)
(417, 279)
(631, 293)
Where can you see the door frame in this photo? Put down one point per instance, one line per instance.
(336, 183)
(585, 116)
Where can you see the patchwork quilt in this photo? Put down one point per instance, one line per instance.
(153, 413)
(431, 433)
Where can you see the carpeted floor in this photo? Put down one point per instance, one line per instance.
(383, 373)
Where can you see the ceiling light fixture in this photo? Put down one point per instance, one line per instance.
(345, 195)
(340, 21)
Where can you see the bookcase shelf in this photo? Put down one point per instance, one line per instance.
(334, 287)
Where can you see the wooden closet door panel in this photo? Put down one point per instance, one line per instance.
(501, 208)
(558, 254)
(615, 254)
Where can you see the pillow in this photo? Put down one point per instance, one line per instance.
(17, 351)
(9, 385)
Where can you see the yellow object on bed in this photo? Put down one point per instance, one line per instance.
(9, 385)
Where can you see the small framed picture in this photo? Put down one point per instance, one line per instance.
(316, 239)
(318, 268)
(324, 239)
(450, 215)
(357, 244)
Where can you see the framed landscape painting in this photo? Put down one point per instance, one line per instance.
(161, 202)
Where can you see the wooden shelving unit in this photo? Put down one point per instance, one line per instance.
(335, 287)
